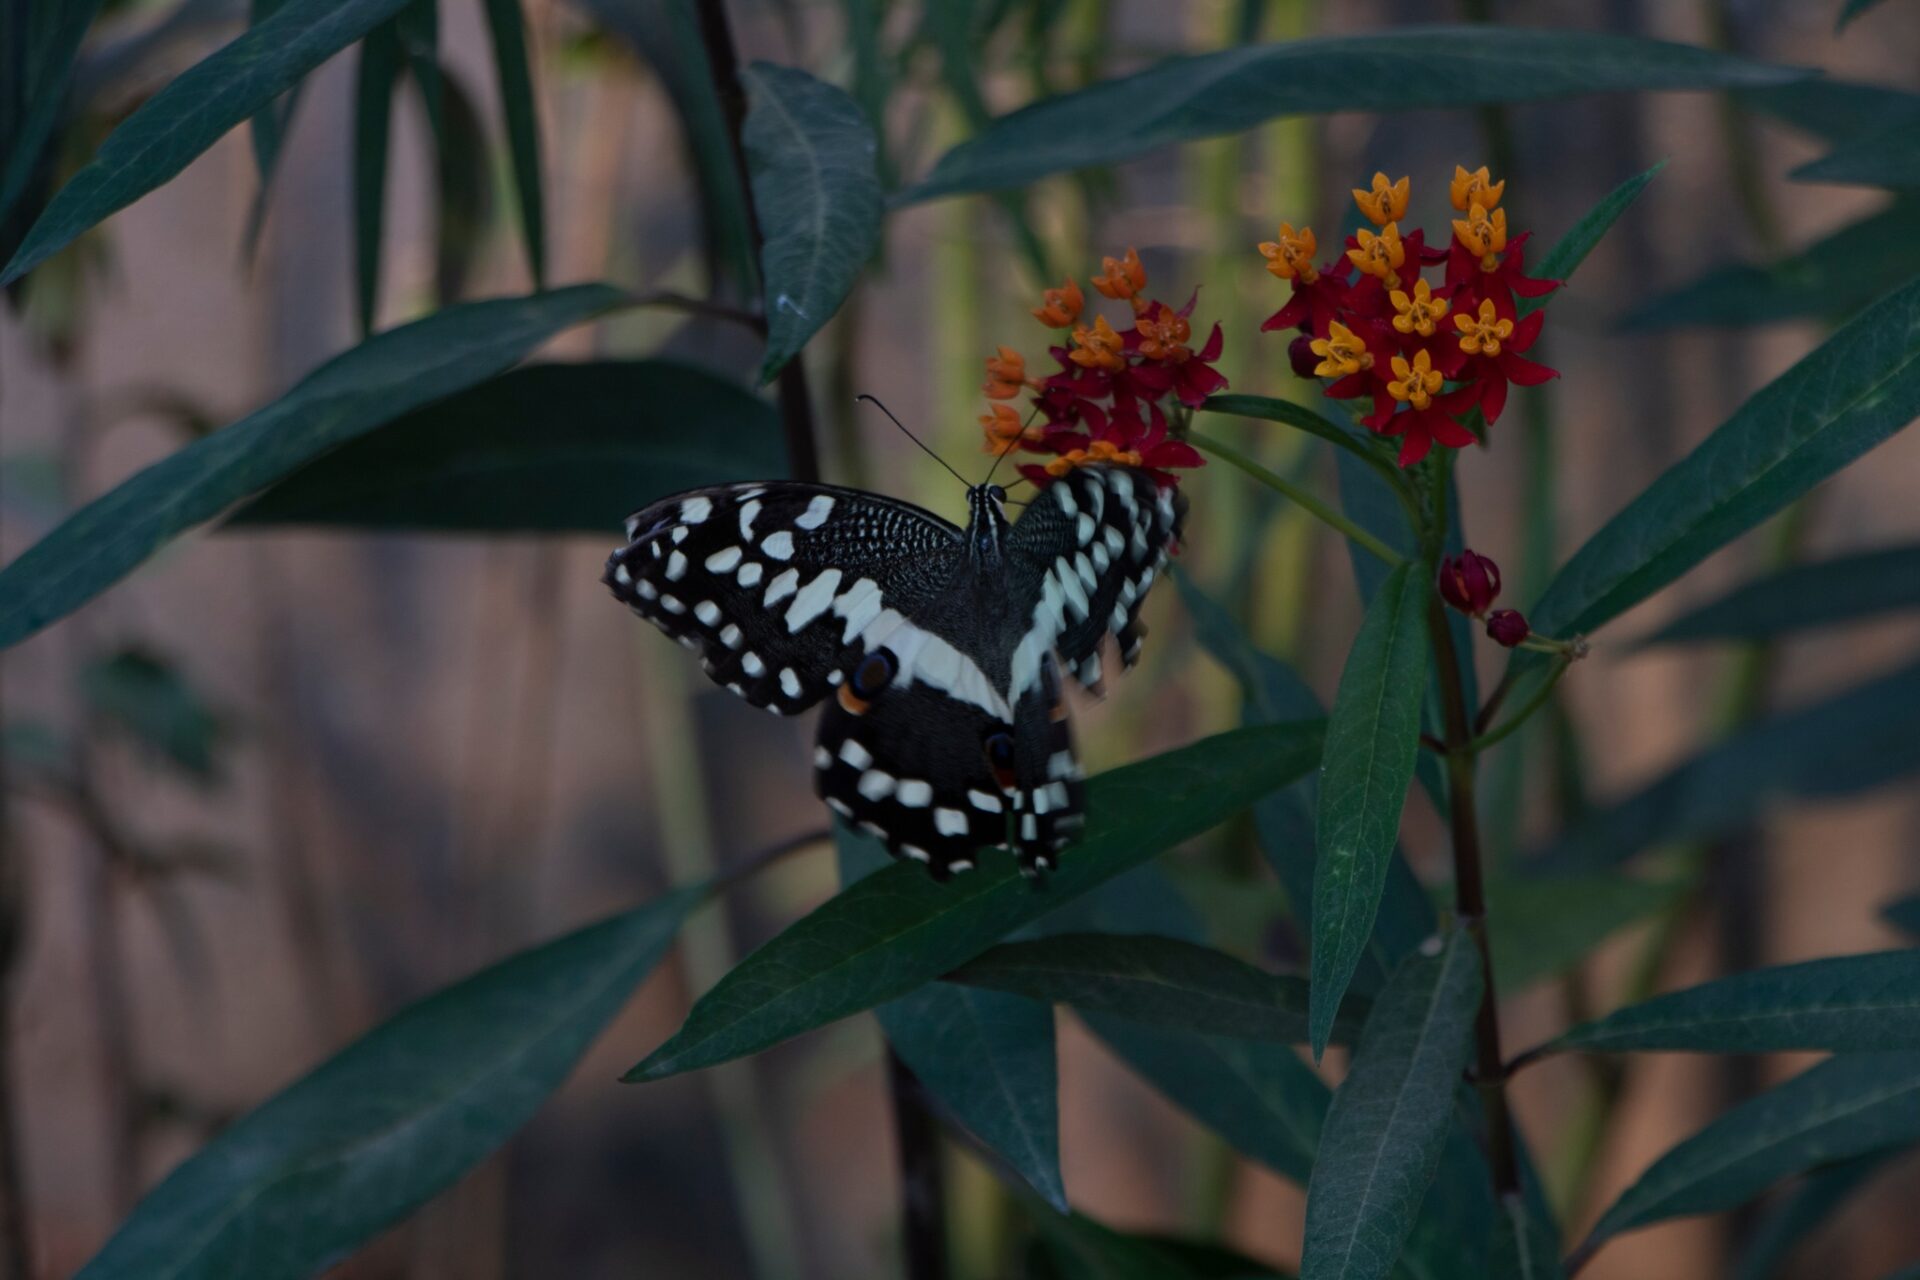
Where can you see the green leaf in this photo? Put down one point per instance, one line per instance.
(506, 25)
(1835, 110)
(1163, 982)
(1852, 742)
(1548, 924)
(1372, 738)
(54, 30)
(1823, 1192)
(1851, 10)
(1854, 391)
(395, 1117)
(810, 153)
(1903, 914)
(1887, 157)
(149, 701)
(182, 120)
(1206, 95)
(884, 936)
(1843, 1107)
(1842, 1004)
(348, 396)
(1804, 596)
(1524, 1247)
(1828, 280)
(554, 448)
(378, 74)
(987, 1059)
(1256, 1094)
(1284, 819)
(1078, 1248)
(1572, 249)
(465, 206)
(1388, 1121)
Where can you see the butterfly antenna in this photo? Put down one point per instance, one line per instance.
(916, 439)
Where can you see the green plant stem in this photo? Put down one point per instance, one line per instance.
(1470, 903)
(796, 403)
(1306, 500)
(1513, 722)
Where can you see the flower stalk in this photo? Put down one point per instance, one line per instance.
(1299, 495)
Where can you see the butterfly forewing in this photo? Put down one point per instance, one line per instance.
(780, 586)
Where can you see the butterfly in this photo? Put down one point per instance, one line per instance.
(937, 650)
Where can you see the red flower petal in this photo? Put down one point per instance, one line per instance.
(1524, 372)
(1493, 396)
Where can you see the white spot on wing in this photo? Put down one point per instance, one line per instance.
(724, 560)
(747, 514)
(696, 510)
(782, 587)
(750, 573)
(789, 682)
(751, 664)
(812, 600)
(730, 636)
(950, 822)
(855, 754)
(816, 513)
(915, 794)
(875, 784)
(984, 802)
(707, 611)
(778, 546)
(676, 566)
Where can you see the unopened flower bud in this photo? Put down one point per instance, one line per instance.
(1471, 583)
(1300, 356)
(1506, 627)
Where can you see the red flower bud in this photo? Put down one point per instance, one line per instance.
(1506, 627)
(1300, 356)
(1470, 583)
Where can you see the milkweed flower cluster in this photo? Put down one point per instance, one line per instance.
(1118, 394)
(1433, 360)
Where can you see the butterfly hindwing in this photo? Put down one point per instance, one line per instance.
(1088, 550)
(777, 585)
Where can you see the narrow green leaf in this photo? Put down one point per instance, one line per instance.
(1842, 1004)
(1850, 743)
(1851, 10)
(1818, 1197)
(1297, 416)
(1284, 819)
(152, 703)
(1833, 109)
(1887, 157)
(193, 111)
(1903, 914)
(1805, 596)
(1256, 1094)
(378, 74)
(553, 448)
(1549, 923)
(893, 931)
(1163, 982)
(1372, 738)
(987, 1059)
(1843, 1107)
(1572, 248)
(506, 25)
(1828, 280)
(1524, 1247)
(810, 153)
(1078, 1248)
(465, 204)
(1206, 95)
(1855, 391)
(1388, 1121)
(397, 1116)
(54, 30)
(348, 396)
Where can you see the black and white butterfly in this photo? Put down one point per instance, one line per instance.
(936, 649)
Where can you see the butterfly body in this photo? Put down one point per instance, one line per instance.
(936, 649)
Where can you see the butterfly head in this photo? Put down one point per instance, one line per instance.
(986, 522)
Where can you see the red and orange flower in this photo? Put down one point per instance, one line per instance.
(1121, 395)
(1433, 360)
